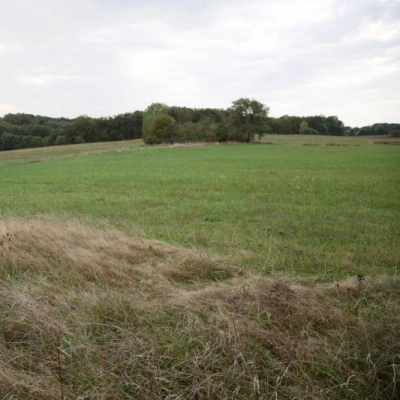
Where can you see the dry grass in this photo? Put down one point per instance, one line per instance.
(39, 154)
(90, 314)
(326, 140)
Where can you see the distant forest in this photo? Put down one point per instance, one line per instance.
(18, 131)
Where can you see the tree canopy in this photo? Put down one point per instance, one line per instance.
(306, 130)
(161, 131)
(152, 112)
(249, 118)
(245, 120)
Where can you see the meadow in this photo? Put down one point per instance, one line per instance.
(254, 271)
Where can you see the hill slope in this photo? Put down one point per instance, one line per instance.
(94, 313)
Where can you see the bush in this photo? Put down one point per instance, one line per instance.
(395, 133)
(221, 132)
(152, 112)
(194, 132)
(163, 130)
(306, 130)
(61, 140)
(48, 141)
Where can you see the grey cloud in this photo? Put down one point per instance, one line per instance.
(102, 58)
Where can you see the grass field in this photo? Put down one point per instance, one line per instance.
(205, 272)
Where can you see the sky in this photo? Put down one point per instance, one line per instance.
(107, 57)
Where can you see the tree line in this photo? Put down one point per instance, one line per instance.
(244, 121)
(240, 123)
(18, 131)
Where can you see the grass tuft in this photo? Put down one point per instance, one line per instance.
(95, 313)
(201, 272)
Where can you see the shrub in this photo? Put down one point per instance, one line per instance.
(162, 131)
(306, 130)
(152, 112)
(395, 133)
(61, 140)
(221, 132)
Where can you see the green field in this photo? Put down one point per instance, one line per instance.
(327, 211)
(296, 237)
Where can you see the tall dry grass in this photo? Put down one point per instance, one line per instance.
(94, 314)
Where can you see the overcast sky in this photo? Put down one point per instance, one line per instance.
(107, 57)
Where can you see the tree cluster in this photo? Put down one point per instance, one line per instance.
(19, 131)
(313, 125)
(321, 125)
(375, 130)
(244, 121)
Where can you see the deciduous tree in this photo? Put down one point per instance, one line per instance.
(306, 130)
(152, 112)
(248, 118)
(161, 131)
